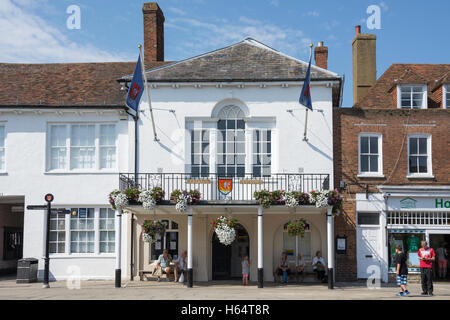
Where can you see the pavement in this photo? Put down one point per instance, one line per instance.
(223, 290)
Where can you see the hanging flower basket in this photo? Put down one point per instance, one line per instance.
(184, 198)
(152, 228)
(224, 227)
(296, 227)
(117, 199)
(150, 198)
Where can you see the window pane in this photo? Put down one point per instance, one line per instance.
(423, 164)
(413, 146)
(374, 145)
(369, 218)
(364, 163)
(373, 163)
(423, 145)
(364, 145)
(413, 164)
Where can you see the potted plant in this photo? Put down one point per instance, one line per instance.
(296, 227)
(184, 198)
(152, 228)
(224, 227)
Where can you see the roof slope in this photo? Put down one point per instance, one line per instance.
(382, 95)
(64, 84)
(248, 60)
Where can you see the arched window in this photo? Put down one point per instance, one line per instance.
(231, 142)
(292, 245)
(168, 241)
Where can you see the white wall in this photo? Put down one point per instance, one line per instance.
(26, 175)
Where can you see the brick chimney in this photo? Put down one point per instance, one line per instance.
(153, 33)
(321, 55)
(364, 63)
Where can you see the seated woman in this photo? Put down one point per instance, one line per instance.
(283, 268)
(300, 265)
(319, 265)
(180, 265)
(164, 261)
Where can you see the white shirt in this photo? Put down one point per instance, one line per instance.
(181, 265)
(321, 260)
(300, 262)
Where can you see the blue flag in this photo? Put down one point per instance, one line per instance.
(136, 88)
(305, 96)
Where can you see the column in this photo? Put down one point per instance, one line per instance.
(330, 256)
(384, 245)
(118, 247)
(190, 273)
(260, 249)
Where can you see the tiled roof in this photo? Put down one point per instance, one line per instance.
(248, 60)
(383, 95)
(64, 84)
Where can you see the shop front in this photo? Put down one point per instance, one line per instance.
(416, 214)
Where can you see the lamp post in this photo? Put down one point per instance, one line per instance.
(48, 198)
(330, 250)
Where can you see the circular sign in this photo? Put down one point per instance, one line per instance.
(49, 197)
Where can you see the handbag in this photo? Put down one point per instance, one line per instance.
(181, 278)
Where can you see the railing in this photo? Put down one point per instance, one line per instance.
(243, 187)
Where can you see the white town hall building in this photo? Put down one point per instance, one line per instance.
(231, 113)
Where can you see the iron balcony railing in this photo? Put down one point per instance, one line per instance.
(242, 189)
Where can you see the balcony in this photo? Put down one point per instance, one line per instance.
(242, 188)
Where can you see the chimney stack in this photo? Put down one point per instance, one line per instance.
(321, 55)
(153, 33)
(364, 63)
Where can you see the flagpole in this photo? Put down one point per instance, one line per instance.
(148, 94)
(306, 113)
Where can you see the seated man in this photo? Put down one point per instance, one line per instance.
(180, 265)
(164, 261)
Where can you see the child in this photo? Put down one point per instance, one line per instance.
(402, 271)
(245, 270)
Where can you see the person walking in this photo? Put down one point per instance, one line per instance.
(402, 271)
(426, 257)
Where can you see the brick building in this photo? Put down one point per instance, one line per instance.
(391, 162)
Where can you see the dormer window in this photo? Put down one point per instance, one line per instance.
(446, 97)
(412, 96)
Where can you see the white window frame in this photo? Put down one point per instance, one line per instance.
(428, 174)
(379, 173)
(445, 92)
(297, 247)
(424, 95)
(68, 240)
(3, 170)
(97, 165)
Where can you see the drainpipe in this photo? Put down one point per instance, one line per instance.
(260, 249)
(190, 273)
(132, 247)
(118, 277)
(330, 248)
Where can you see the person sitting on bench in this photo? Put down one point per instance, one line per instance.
(180, 266)
(283, 268)
(300, 266)
(163, 262)
(319, 265)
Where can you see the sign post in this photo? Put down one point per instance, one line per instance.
(48, 198)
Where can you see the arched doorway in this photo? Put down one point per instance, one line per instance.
(226, 260)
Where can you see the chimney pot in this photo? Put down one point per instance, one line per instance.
(357, 30)
(320, 44)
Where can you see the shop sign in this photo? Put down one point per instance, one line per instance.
(442, 203)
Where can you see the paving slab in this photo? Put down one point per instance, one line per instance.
(223, 290)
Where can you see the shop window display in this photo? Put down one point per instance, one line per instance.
(409, 240)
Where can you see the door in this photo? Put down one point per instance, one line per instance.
(221, 260)
(368, 250)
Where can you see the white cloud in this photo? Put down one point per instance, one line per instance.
(177, 11)
(205, 36)
(313, 13)
(27, 38)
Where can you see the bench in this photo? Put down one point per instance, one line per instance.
(148, 274)
(308, 275)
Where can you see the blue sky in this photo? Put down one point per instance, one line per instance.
(411, 31)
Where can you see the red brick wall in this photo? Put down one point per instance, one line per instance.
(394, 138)
(153, 33)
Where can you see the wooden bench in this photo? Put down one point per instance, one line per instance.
(308, 274)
